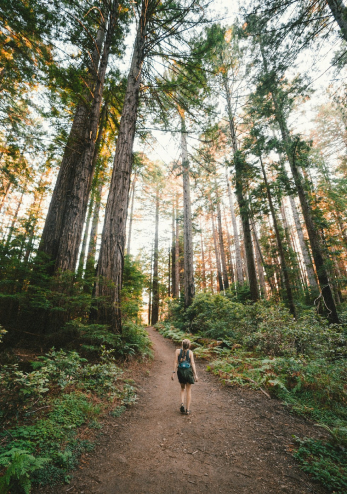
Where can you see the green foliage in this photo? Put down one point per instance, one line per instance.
(33, 301)
(133, 285)
(45, 409)
(117, 412)
(52, 439)
(215, 315)
(261, 346)
(133, 340)
(19, 465)
(324, 462)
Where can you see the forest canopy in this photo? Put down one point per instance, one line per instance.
(248, 193)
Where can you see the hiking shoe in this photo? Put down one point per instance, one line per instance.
(188, 412)
(182, 409)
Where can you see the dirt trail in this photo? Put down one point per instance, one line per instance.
(235, 441)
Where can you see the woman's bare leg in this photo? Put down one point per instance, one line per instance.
(182, 392)
(189, 395)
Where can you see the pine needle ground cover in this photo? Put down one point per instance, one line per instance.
(53, 414)
(303, 363)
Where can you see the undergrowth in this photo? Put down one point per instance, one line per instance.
(301, 362)
(51, 414)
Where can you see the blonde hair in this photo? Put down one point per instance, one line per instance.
(186, 344)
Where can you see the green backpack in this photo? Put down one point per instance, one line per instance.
(184, 361)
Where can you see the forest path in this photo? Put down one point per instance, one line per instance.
(235, 441)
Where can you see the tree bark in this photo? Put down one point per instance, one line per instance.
(173, 255)
(339, 12)
(55, 219)
(221, 247)
(98, 193)
(211, 270)
(177, 255)
(111, 259)
(33, 219)
(189, 287)
(169, 275)
(131, 214)
(247, 238)
(203, 267)
(216, 249)
(94, 230)
(230, 262)
(259, 255)
(259, 262)
(150, 292)
(303, 247)
(85, 236)
(80, 177)
(13, 222)
(5, 194)
(155, 300)
(238, 260)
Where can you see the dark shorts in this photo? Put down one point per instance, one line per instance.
(185, 376)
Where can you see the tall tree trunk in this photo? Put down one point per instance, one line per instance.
(91, 251)
(111, 259)
(203, 267)
(131, 214)
(211, 269)
(259, 255)
(5, 194)
(177, 255)
(80, 178)
(303, 272)
(284, 264)
(29, 248)
(155, 302)
(303, 247)
(173, 256)
(339, 12)
(94, 230)
(229, 256)
(242, 202)
(85, 236)
(221, 247)
(169, 275)
(150, 292)
(189, 287)
(238, 260)
(14, 220)
(216, 249)
(259, 262)
(247, 237)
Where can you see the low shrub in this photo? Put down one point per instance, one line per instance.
(42, 412)
(325, 462)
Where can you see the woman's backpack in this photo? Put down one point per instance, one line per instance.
(184, 361)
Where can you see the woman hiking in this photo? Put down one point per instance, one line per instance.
(186, 372)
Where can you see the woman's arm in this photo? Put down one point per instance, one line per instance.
(175, 364)
(193, 366)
